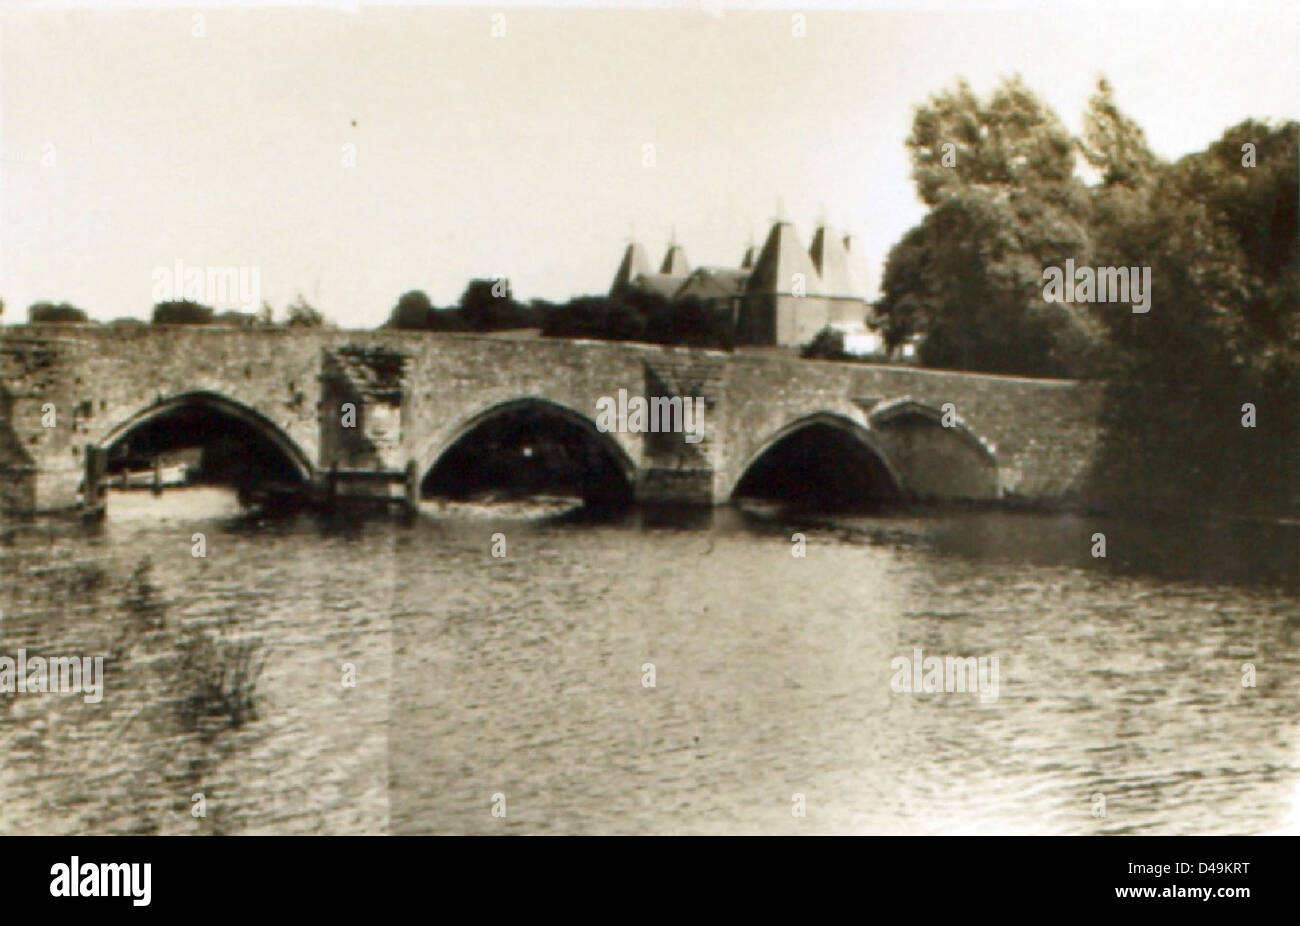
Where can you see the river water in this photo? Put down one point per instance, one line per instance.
(413, 682)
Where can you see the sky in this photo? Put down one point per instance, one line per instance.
(133, 136)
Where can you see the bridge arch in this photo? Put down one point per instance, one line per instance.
(532, 418)
(213, 405)
(937, 460)
(847, 460)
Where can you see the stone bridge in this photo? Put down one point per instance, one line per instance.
(69, 394)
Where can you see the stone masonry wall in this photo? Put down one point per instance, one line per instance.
(1042, 432)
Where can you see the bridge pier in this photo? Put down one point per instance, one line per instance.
(666, 485)
(92, 493)
(412, 486)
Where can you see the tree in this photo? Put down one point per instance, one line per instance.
(632, 313)
(998, 176)
(412, 312)
(1115, 144)
(1223, 331)
(489, 305)
(446, 319)
(55, 313)
(598, 317)
(182, 312)
(691, 321)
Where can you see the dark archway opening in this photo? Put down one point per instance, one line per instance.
(198, 444)
(819, 467)
(531, 450)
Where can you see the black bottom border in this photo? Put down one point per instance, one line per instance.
(928, 876)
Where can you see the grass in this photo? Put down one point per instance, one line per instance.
(216, 679)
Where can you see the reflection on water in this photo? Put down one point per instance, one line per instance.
(190, 503)
(522, 675)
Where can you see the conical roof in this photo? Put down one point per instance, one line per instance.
(635, 263)
(675, 262)
(832, 262)
(780, 260)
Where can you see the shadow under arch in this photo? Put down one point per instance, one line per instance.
(203, 407)
(528, 445)
(939, 460)
(822, 460)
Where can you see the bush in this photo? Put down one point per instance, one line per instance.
(55, 313)
(181, 312)
(302, 314)
(827, 344)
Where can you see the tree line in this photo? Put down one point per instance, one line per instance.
(298, 313)
(627, 314)
(1202, 390)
